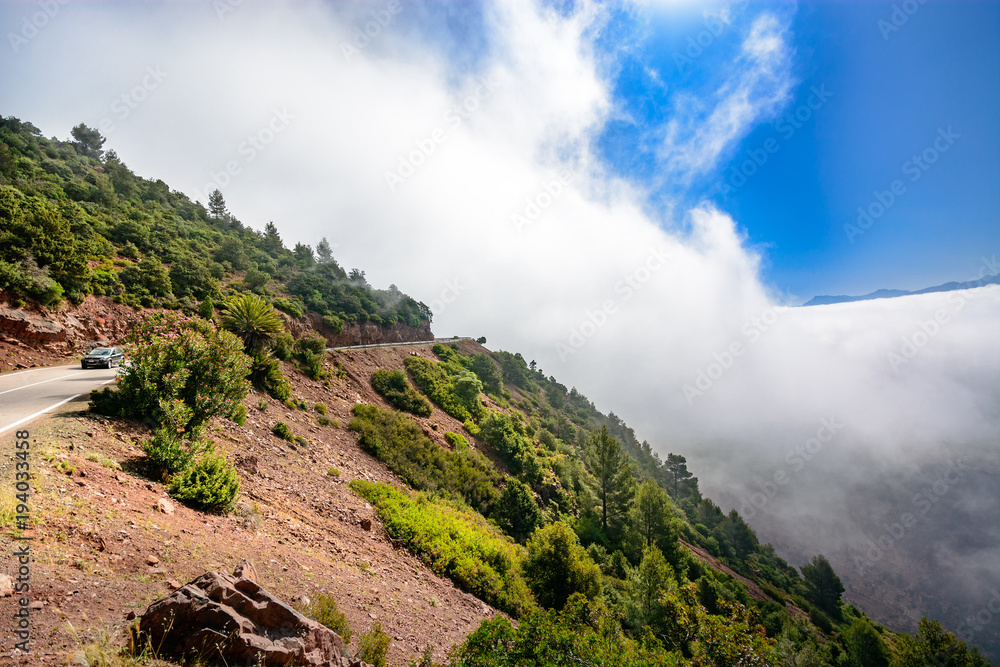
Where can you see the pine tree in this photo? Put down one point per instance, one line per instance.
(615, 484)
(217, 204)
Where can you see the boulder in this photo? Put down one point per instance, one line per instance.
(232, 620)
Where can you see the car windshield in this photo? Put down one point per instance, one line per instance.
(100, 352)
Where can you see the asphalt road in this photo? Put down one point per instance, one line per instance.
(25, 395)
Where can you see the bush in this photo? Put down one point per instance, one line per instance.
(516, 512)
(396, 390)
(434, 380)
(320, 408)
(311, 352)
(374, 646)
(457, 441)
(456, 543)
(169, 453)
(266, 375)
(400, 443)
(288, 306)
(210, 483)
(282, 430)
(323, 609)
(557, 566)
(186, 360)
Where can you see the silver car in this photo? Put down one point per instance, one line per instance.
(103, 357)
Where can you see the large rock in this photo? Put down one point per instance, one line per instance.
(232, 620)
(27, 327)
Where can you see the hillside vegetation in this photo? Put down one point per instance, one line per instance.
(529, 498)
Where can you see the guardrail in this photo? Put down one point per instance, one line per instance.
(414, 342)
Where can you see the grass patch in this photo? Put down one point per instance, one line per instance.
(323, 609)
(456, 543)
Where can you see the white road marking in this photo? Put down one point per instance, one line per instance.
(40, 412)
(61, 377)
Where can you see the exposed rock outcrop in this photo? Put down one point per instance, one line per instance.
(231, 619)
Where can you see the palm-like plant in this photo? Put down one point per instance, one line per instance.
(254, 320)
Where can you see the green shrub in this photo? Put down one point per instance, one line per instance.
(457, 543)
(179, 359)
(262, 405)
(516, 511)
(288, 306)
(557, 566)
(396, 390)
(323, 609)
(266, 375)
(301, 442)
(400, 443)
(324, 421)
(210, 483)
(282, 430)
(333, 472)
(457, 441)
(433, 379)
(373, 647)
(320, 408)
(302, 405)
(311, 352)
(284, 346)
(169, 453)
(240, 415)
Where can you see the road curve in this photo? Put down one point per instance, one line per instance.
(25, 395)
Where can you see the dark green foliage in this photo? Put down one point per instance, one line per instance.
(253, 320)
(433, 379)
(396, 390)
(282, 430)
(289, 306)
(935, 647)
(182, 372)
(210, 483)
(615, 483)
(266, 375)
(399, 442)
(864, 646)
(373, 647)
(557, 566)
(457, 441)
(503, 434)
(169, 453)
(825, 587)
(311, 352)
(456, 543)
(516, 511)
(489, 374)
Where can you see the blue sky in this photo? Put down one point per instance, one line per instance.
(888, 90)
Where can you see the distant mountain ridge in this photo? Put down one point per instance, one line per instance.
(891, 293)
